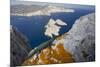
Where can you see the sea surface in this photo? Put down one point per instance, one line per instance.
(33, 27)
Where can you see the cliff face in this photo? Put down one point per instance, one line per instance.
(80, 40)
(19, 47)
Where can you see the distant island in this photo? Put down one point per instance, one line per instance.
(40, 10)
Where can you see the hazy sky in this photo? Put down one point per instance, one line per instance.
(84, 2)
(14, 2)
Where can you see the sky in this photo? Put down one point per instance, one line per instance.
(14, 2)
(85, 2)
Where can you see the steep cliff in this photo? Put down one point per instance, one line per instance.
(80, 40)
(19, 47)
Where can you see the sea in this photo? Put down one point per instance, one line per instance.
(33, 27)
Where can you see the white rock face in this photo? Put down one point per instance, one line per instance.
(52, 28)
(80, 40)
(59, 22)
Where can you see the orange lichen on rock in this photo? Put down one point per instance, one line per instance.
(63, 55)
(52, 55)
(30, 61)
(44, 56)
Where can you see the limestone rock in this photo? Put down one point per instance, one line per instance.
(53, 27)
(80, 40)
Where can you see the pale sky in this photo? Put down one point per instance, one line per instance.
(85, 2)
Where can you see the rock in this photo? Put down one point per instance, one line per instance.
(19, 47)
(53, 27)
(80, 40)
(53, 54)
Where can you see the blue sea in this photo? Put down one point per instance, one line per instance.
(33, 27)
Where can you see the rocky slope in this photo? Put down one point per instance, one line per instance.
(80, 40)
(19, 47)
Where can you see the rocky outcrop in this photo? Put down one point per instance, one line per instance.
(80, 40)
(19, 47)
(53, 27)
